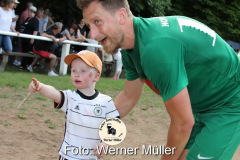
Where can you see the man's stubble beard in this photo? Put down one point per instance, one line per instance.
(116, 43)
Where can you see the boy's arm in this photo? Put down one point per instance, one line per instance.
(46, 90)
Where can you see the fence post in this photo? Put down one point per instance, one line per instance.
(65, 52)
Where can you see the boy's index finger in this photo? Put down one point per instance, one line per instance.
(35, 82)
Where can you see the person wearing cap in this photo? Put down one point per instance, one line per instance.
(85, 108)
(14, 16)
(43, 48)
(31, 25)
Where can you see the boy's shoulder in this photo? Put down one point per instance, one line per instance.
(100, 96)
(104, 96)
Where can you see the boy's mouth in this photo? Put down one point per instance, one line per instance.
(77, 81)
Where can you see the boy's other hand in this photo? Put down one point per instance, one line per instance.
(100, 145)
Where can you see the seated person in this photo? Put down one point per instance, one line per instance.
(72, 33)
(42, 48)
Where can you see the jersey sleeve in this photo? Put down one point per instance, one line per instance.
(131, 73)
(111, 109)
(163, 63)
(64, 101)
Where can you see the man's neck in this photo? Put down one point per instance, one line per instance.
(129, 34)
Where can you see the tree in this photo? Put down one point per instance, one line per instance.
(222, 15)
(149, 8)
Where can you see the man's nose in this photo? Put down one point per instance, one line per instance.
(94, 33)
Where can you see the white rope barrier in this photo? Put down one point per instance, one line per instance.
(65, 46)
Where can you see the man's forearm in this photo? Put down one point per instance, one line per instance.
(129, 97)
(177, 137)
(123, 105)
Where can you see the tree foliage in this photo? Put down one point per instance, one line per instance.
(149, 8)
(223, 16)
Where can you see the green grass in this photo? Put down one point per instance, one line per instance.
(20, 81)
(12, 77)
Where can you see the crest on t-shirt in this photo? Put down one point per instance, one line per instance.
(98, 111)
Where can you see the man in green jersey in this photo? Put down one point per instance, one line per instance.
(194, 70)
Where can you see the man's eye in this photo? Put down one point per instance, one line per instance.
(97, 21)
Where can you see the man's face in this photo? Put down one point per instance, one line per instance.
(104, 27)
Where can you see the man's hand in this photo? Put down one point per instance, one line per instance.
(34, 85)
(54, 39)
(100, 145)
(31, 41)
(61, 40)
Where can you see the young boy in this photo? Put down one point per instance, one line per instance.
(85, 108)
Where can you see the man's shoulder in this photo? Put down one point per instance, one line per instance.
(49, 32)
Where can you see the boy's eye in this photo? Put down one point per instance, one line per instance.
(74, 71)
(83, 71)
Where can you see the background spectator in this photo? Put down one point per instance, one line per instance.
(31, 27)
(14, 16)
(82, 27)
(6, 24)
(118, 57)
(24, 14)
(72, 33)
(41, 48)
(43, 22)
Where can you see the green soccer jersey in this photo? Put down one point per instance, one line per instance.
(171, 53)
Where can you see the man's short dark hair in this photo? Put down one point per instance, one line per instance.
(109, 5)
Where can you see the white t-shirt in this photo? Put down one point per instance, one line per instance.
(118, 56)
(84, 114)
(15, 22)
(5, 19)
(66, 31)
(90, 48)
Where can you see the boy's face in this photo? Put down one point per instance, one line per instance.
(82, 75)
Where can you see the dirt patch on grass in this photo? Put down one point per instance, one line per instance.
(35, 131)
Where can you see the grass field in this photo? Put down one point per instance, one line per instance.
(35, 131)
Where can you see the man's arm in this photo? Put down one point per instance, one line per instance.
(129, 97)
(49, 36)
(182, 121)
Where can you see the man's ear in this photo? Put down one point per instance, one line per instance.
(122, 15)
(97, 77)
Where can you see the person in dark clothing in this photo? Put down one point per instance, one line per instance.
(82, 28)
(31, 26)
(42, 48)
